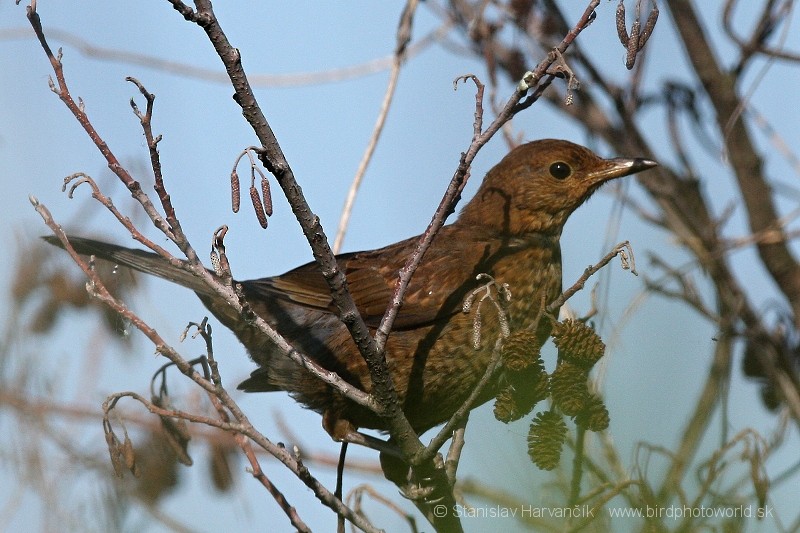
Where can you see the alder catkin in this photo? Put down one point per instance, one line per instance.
(267, 194)
(235, 193)
(258, 206)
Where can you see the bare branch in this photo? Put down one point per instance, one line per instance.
(623, 250)
(400, 55)
(62, 90)
(184, 70)
(745, 161)
(274, 160)
(457, 183)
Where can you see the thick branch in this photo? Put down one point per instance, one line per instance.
(747, 165)
(273, 158)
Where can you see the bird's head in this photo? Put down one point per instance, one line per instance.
(539, 184)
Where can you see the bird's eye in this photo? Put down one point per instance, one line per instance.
(560, 170)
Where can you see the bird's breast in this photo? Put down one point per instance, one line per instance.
(533, 276)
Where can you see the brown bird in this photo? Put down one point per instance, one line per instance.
(510, 230)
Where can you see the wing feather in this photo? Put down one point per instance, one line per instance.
(434, 292)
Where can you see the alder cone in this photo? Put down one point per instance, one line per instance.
(545, 439)
(578, 343)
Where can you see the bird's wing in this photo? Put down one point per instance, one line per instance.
(436, 290)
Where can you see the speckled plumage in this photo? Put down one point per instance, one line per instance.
(509, 230)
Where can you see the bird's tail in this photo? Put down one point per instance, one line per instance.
(140, 260)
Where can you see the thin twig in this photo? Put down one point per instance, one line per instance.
(577, 466)
(340, 483)
(763, 29)
(258, 473)
(400, 55)
(454, 452)
(62, 90)
(457, 183)
(173, 232)
(460, 415)
(384, 395)
(184, 70)
(623, 249)
(155, 159)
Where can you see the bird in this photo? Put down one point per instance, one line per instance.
(509, 232)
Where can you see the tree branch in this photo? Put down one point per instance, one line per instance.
(740, 151)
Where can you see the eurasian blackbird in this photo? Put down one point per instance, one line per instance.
(510, 230)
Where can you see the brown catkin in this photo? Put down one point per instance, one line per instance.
(235, 192)
(265, 192)
(622, 31)
(128, 453)
(258, 206)
(633, 46)
(647, 31)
